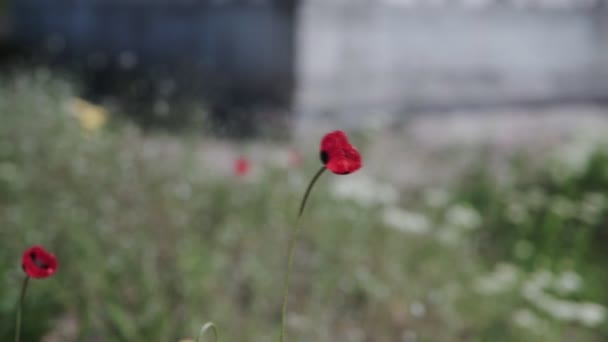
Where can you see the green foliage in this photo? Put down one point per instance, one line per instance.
(152, 243)
(553, 217)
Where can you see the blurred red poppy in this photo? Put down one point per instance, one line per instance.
(338, 155)
(242, 166)
(38, 263)
(295, 158)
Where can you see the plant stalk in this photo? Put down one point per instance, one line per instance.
(291, 249)
(20, 309)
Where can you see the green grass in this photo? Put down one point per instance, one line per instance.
(152, 244)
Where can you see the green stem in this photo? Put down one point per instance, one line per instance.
(290, 251)
(205, 328)
(308, 190)
(20, 309)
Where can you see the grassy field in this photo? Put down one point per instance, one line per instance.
(154, 240)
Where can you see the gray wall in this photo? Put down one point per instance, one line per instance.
(390, 58)
(349, 56)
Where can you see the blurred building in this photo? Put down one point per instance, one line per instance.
(400, 56)
(333, 56)
(234, 55)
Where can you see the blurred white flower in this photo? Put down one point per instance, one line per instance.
(592, 206)
(517, 213)
(573, 157)
(591, 314)
(568, 282)
(559, 309)
(586, 313)
(364, 190)
(405, 221)
(533, 288)
(417, 309)
(502, 279)
(525, 318)
(563, 207)
(299, 321)
(536, 198)
(463, 217)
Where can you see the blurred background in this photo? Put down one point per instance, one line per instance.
(160, 149)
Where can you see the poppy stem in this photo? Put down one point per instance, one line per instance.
(291, 249)
(20, 309)
(309, 189)
(206, 327)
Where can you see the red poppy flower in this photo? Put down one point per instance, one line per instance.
(242, 166)
(338, 155)
(295, 158)
(38, 263)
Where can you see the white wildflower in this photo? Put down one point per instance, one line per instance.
(502, 279)
(533, 288)
(572, 158)
(405, 221)
(525, 318)
(536, 198)
(592, 207)
(562, 310)
(591, 314)
(463, 217)
(417, 309)
(517, 213)
(586, 313)
(364, 190)
(563, 207)
(568, 282)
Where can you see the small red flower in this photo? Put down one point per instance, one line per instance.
(295, 158)
(338, 155)
(38, 263)
(242, 166)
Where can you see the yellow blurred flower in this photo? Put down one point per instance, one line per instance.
(90, 116)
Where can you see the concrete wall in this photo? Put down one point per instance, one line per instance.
(349, 56)
(361, 58)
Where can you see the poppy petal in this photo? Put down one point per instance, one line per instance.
(338, 155)
(242, 166)
(38, 263)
